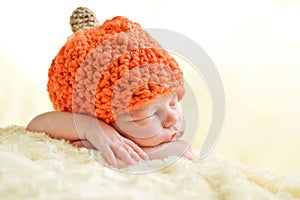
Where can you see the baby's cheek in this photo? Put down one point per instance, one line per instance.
(153, 128)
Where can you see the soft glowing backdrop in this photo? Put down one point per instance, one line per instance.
(254, 44)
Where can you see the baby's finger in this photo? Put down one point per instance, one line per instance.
(137, 149)
(82, 143)
(133, 154)
(109, 156)
(123, 155)
(189, 155)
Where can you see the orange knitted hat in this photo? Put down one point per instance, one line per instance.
(106, 70)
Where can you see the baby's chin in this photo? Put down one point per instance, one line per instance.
(148, 142)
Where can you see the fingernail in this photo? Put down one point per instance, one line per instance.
(190, 155)
(146, 157)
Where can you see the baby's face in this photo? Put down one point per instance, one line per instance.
(157, 122)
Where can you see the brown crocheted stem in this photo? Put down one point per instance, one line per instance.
(83, 18)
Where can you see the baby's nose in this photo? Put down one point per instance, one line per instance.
(171, 118)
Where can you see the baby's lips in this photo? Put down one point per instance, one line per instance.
(178, 132)
(174, 136)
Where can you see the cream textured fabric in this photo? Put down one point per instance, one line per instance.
(34, 166)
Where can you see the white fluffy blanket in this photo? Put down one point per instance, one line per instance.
(34, 166)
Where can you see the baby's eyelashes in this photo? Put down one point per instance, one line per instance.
(141, 118)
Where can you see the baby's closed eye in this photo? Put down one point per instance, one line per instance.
(144, 120)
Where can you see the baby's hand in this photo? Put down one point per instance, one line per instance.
(112, 145)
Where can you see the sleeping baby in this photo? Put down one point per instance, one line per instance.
(115, 89)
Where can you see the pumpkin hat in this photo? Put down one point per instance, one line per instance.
(106, 70)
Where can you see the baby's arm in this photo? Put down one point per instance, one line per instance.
(174, 148)
(70, 126)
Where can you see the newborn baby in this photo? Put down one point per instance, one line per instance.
(115, 89)
(143, 133)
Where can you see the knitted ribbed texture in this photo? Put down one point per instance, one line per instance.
(83, 18)
(110, 69)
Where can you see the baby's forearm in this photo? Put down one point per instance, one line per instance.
(61, 125)
(82, 128)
